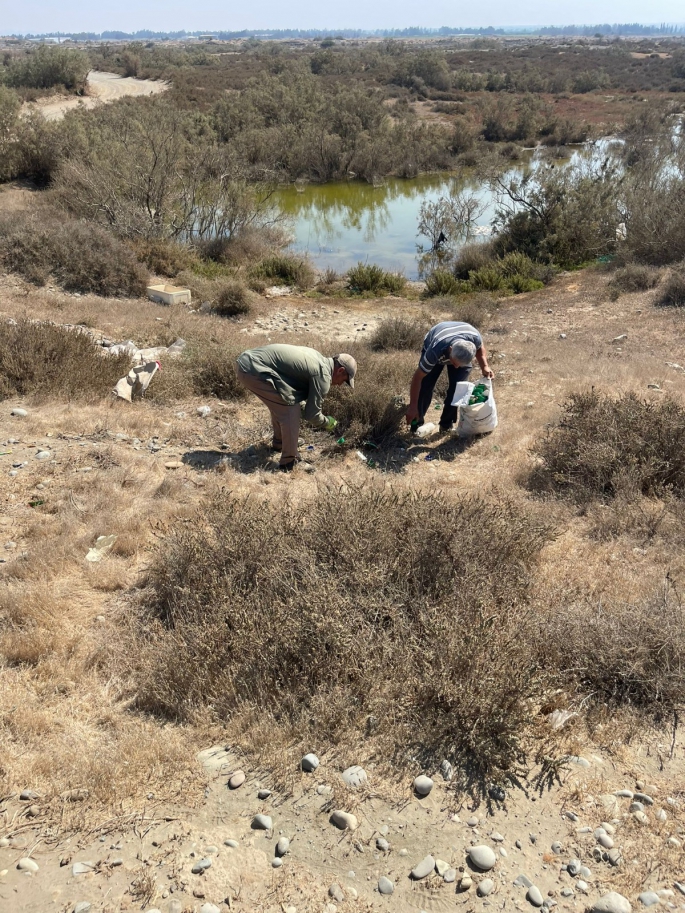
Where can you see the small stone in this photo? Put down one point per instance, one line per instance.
(32, 811)
(262, 823)
(200, 866)
(27, 795)
(382, 844)
(385, 886)
(309, 763)
(585, 873)
(534, 896)
(571, 816)
(567, 892)
(4, 842)
(446, 770)
(648, 898)
(517, 844)
(612, 903)
(173, 464)
(115, 863)
(557, 848)
(43, 455)
(203, 411)
(485, 887)
(82, 868)
(562, 335)
(641, 817)
(465, 883)
(497, 837)
(441, 867)
(497, 793)
(323, 789)
(605, 840)
(533, 838)
(503, 852)
(354, 776)
(482, 857)
(450, 876)
(609, 828)
(19, 413)
(673, 841)
(27, 865)
(679, 887)
(335, 892)
(232, 843)
(209, 908)
(425, 867)
(661, 815)
(581, 762)
(83, 906)
(614, 856)
(404, 851)
(523, 881)
(624, 793)
(237, 779)
(573, 867)
(636, 807)
(582, 886)
(423, 785)
(472, 822)
(282, 846)
(276, 862)
(643, 797)
(263, 793)
(666, 892)
(209, 850)
(344, 820)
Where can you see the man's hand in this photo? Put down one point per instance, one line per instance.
(331, 423)
(411, 414)
(487, 371)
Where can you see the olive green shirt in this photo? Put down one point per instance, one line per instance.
(298, 374)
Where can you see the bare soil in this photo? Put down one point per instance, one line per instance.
(102, 88)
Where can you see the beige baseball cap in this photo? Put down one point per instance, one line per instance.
(349, 364)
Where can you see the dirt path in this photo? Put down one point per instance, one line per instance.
(103, 87)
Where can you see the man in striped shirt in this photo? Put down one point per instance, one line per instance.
(450, 343)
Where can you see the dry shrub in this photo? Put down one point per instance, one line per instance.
(213, 373)
(603, 446)
(375, 410)
(633, 277)
(368, 277)
(164, 257)
(46, 359)
(233, 300)
(357, 609)
(78, 256)
(398, 333)
(473, 257)
(476, 310)
(625, 654)
(672, 291)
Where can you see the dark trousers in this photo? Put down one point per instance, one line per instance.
(449, 412)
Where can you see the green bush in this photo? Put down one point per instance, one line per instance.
(520, 284)
(283, 269)
(442, 283)
(633, 277)
(474, 256)
(487, 279)
(47, 67)
(368, 277)
(396, 333)
(233, 300)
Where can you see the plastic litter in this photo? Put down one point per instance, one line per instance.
(362, 456)
(136, 381)
(426, 429)
(341, 440)
(103, 544)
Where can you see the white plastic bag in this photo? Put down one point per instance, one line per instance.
(478, 419)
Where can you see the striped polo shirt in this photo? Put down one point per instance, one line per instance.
(439, 339)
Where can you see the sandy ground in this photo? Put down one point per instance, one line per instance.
(102, 87)
(154, 800)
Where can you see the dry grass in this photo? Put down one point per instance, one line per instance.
(672, 291)
(397, 333)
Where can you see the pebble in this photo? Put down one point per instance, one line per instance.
(573, 867)
(354, 776)
(115, 863)
(571, 816)
(497, 793)
(648, 898)
(643, 797)
(232, 843)
(485, 887)
(335, 892)
(209, 908)
(497, 837)
(28, 794)
(557, 848)
(605, 840)
(404, 852)
(19, 413)
(523, 881)
(446, 770)
(503, 853)
(482, 857)
(173, 464)
(611, 903)
(4, 841)
(441, 867)
(382, 844)
(323, 789)
(423, 785)
(309, 763)
(641, 817)
(582, 886)
(472, 822)
(614, 856)
(585, 873)
(43, 455)
(236, 779)
(276, 862)
(624, 793)
(518, 844)
(466, 883)
(262, 822)
(27, 865)
(661, 815)
(83, 906)
(425, 867)
(344, 820)
(673, 841)
(203, 411)
(580, 762)
(282, 846)
(263, 793)
(450, 876)
(209, 850)
(679, 887)
(82, 868)
(385, 886)
(534, 896)
(566, 892)
(636, 807)
(200, 866)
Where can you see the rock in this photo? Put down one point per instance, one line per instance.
(82, 868)
(382, 844)
(263, 793)
(209, 850)
(323, 789)
(423, 785)
(404, 851)
(203, 411)
(482, 857)
(573, 867)
(641, 817)
(19, 413)
(354, 776)
(200, 866)
(581, 762)
(472, 822)
(673, 841)
(636, 807)
(32, 811)
(661, 815)
(465, 883)
(43, 455)
(582, 886)
(173, 464)
(614, 856)
(309, 763)
(566, 892)
(237, 779)
(648, 898)
(497, 793)
(611, 903)
(503, 852)
(609, 828)
(385, 886)
(335, 892)
(585, 873)
(344, 820)
(4, 842)
(425, 867)
(518, 844)
(609, 803)
(624, 793)
(562, 335)
(534, 896)
(115, 863)
(485, 887)
(83, 906)
(644, 798)
(276, 862)
(282, 846)
(27, 795)
(557, 848)
(523, 881)
(232, 843)
(27, 865)
(441, 867)
(571, 816)
(450, 876)
(209, 908)
(605, 840)
(262, 823)
(446, 770)
(497, 837)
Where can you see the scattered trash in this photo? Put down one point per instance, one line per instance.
(362, 457)
(370, 444)
(558, 718)
(562, 335)
(103, 544)
(426, 430)
(310, 447)
(479, 417)
(371, 464)
(429, 457)
(168, 294)
(621, 231)
(621, 338)
(341, 440)
(203, 411)
(36, 502)
(136, 381)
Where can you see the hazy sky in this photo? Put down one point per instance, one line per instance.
(20, 16)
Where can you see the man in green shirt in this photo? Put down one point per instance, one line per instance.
(285, 376)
